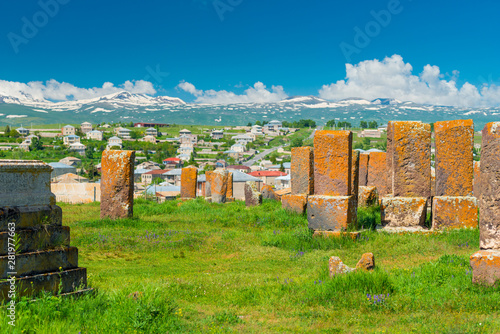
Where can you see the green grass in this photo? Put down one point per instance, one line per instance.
(210, 268)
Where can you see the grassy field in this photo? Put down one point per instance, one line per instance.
(198, 267)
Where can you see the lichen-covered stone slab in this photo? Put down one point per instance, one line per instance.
(477, 175)
(364, 159)
(355, 174)
(403, 211)
(189, 180)
(450, 212)
(294, 203)
(367, 262)
(208, 183)
(332, 163)
(269, 193)
(489, 201)
(336, 235)
(337, 267)
(117, 184)
(411, 159)
(389, 156)
(377, 172)
(219, 181)
(302, 170)
(454, 157)
(229, 190)
(331, 213)
(486, 267)
(252, 195)
(368, 196)
(25, 183)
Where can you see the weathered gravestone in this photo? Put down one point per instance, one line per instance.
(44, 260)
(301, 179)
(252, 195)
(377, 172)
(269, 193)
(364, 160)
(486, 262)
(189, 180)
(117, 184)
(219, 184)
(355, 175)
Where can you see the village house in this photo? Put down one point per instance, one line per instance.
(273, 126)
(257, 130)
(151, 132)
(174, 176)
(239, 148)
(239, 180)
(23, 131)
(149, 139)
(25, 145)
(114, 142)
(171, 163)
(78, 148)
(150, 165)
(217, 134)
(71, 161)
(184, 132)
(268, 177)
(149, 176)
(370, 133)
(286, 165)
(71, 139)
(68, 130)
(243, 138)
(94, 135)
(123, 133)
(70, 178)
(86, 127)
(239, 168)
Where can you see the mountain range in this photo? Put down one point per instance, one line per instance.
(126, 106)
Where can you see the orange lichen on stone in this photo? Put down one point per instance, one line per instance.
(355, 174)
(229, 189)
(117, 184)
(331, 213)
(454, 212)
(389, 156)
(189, 179)
(477, 175)
(336, 234)
(454, 157)
(332, 163)
(368, 196)
(433, 181)
(219, 182)
(411, 159)
(489, 207)
(367, 262)
(208, 182)
(403, 211)
(269, 193)
(377, 172)
(485, 267)
(364, 159)
(294, 203)
(302, 170)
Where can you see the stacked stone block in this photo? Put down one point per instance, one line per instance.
(332, 207)
(44, 260)
(409, 183)
(486, 262)
(189, 180)
(453, 206)
(117, 184)
(301, 178)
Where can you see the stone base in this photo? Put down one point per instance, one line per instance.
(44, 237)
(28, 217)
(331, 213)
(407, 230)
(454, 212)
(403, 211)
(335, 234)
(65, 281)
(485, 267)
(367, 196)
(294, 203)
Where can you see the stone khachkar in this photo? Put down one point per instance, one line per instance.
(301, 179)
(453, 206)
(208, 183)
(219, 180)
(377, 172)
(364, 160)
(355, 175)
(117, 184)
(189, 180)
(252, 195)
(408, 162)
(486, 262)
(332, 207)
(269, 193)
(44, 260)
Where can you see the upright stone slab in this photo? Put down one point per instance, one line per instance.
(477, 175)
(302, 171)
(44, 260)
(377, 172)
(332, 163)
(355, 175)
(454, 157)
(252, 195)
(219, 183)
(364, 159)
(489, 201)
(189, 180)
(208, 183)
(389, 156)
(269, 193)
(411, 159)
(117, 184)
(229, 191)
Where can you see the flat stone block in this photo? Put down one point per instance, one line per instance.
(117, 184)
(331, 213)
(332, 163)
(302, 170)
(40, 262)
(25, 183)
(67, 280)
(454, 158)
(189, 178)
(336, 234)
(454, 212)
(485, 267)
(294, 203)
(42, 238)
(403, 211)
(30, 217)
(368, 196)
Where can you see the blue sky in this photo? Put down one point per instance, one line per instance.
(230, 45)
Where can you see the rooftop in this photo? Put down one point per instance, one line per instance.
(267, 173)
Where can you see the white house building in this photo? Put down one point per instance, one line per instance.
(217, 134)
(86, 127)
(94, 135)
(68, 130)
(78, 148)
(71, 139)
(114, 142)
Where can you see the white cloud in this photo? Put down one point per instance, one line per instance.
(62, 91)
(393, 78)
(258, 93)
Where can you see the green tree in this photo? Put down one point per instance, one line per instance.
(373, 124)
(330, 123)
(36, 144)
(282, 168)
(273, 159)
(14, 134)
(6, 132)
(157, 180)
(363, 124)
(297, 142)
(249, 124)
